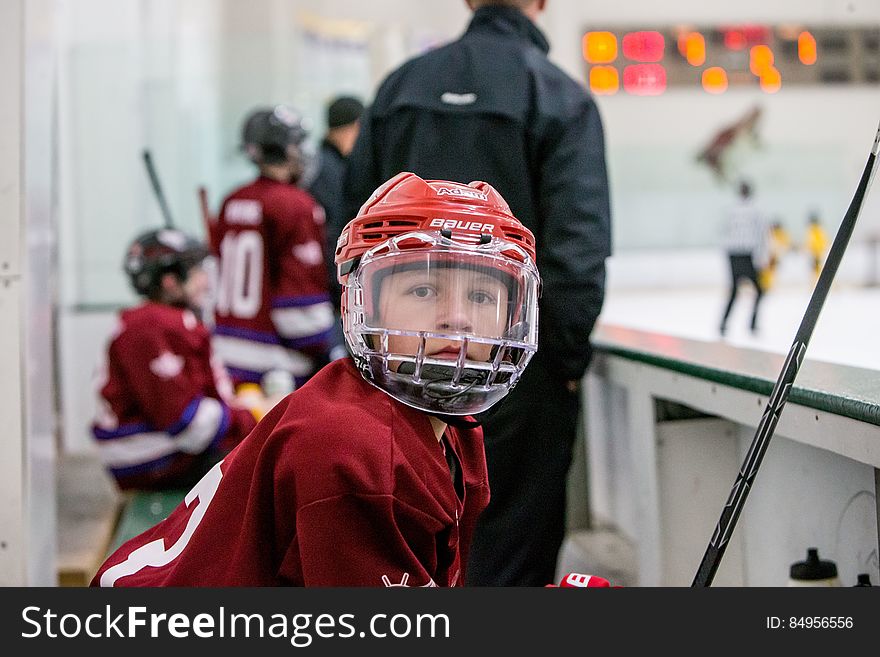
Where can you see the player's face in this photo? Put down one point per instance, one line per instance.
(196, 288)
(444, 300)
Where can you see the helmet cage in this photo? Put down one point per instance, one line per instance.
(451, 385)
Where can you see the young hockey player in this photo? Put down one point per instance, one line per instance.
(373, 473)
(166, 413)
(273, 310)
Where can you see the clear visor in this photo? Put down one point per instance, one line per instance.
(479, 294)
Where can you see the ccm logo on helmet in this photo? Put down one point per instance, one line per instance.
(457, 191)
(461, 225)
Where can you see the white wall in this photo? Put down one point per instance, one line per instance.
(27, 303)
(12, 445)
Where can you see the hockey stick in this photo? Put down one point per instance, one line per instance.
(205, 207)
(157, 189)
(779, 395)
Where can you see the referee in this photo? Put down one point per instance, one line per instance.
(746, 241)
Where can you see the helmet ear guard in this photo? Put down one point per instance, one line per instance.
(451, 244)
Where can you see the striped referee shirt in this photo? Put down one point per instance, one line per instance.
(745, 232)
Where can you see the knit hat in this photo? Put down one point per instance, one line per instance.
(343, 110)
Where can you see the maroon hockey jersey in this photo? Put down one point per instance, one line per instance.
(163, 404)
(273, 309)
(339, 485)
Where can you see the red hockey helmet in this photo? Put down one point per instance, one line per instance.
(440, 293)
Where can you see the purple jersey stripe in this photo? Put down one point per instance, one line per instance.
(308, 340)
(121, 432)
(239, 374)
(186, 417)
(246, 334)
(156, 465)
(299, 302)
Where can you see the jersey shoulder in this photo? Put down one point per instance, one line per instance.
(339, 436)
(153, 322)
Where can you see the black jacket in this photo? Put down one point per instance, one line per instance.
(492, 107)
(326, 187)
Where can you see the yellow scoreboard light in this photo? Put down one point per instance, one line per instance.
(600, 47)
(760, 59)
(695, 49)
(771, 80)
(604, 80)
(714, 80)
(807, 48)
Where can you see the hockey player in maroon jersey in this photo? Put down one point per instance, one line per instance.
(166, 413)
(273, 309)
(373, 473)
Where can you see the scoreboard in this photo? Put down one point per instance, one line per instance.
(715, 59)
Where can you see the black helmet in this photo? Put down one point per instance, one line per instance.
(158, 252)
(269, 133)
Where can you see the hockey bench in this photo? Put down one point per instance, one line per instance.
(142, 510)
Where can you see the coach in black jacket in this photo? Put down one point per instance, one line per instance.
(492, 107)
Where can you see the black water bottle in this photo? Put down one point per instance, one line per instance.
(813, 572)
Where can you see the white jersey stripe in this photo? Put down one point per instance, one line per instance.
(260, 357)
(136, 449)
(140, 448)
(202, 429)
(303, 322)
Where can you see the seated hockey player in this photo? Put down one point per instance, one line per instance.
(372, 473)
(166, 412)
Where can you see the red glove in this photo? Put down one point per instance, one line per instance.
(580, 581)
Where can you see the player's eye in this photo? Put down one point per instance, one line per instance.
(422, 291)
(481, 297)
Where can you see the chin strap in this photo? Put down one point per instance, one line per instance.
(457, 421)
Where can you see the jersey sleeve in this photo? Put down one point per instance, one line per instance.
(167, 393)
(299, 299)
(366, 540)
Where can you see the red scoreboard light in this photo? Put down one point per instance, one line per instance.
(643, 46)
(644, 79)
(745, 36)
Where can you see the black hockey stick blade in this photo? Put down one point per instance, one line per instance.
(746, 476)
(157, 189)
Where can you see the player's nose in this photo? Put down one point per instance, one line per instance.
(452, 316)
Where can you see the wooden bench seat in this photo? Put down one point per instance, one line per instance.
(88, 507)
